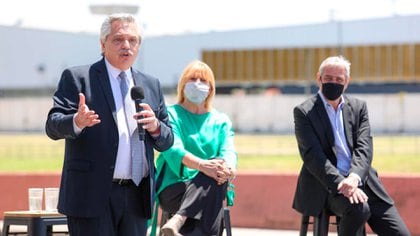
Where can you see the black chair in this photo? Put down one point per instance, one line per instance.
(226, 222)
(320, 223)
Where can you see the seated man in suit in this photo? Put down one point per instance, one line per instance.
(335, 144)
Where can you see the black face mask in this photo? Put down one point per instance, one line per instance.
(332, 91)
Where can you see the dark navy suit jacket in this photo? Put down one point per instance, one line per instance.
(89, 158)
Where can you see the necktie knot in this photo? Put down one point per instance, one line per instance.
(122, 75)
(123, 84)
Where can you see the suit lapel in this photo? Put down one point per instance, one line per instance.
(136, 77)
(139, 80)
(347, 114)
(324, 120)
(103, 80)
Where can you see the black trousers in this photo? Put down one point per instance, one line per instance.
(201, 200)
(124, 215)
(383, 218)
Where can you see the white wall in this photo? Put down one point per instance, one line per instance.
(23, 51)
(391, 113)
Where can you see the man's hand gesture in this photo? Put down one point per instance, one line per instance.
(85, 117)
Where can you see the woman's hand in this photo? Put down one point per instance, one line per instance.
(217, 169)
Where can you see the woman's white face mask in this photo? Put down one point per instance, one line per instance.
(196, 92)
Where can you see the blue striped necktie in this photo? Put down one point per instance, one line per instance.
(138, 162)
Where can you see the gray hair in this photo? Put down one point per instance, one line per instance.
(335, 61)
(124, 17)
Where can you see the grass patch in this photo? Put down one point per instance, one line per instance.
(30, 153)
(279, 153)
(257, 153)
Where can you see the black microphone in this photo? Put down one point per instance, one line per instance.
(137, 94)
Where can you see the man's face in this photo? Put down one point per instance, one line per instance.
(121, 46)
(333, 74)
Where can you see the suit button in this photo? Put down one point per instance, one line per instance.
(111, 167)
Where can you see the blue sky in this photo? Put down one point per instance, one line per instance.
(162, 17)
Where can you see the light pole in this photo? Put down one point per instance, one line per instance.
(339, 29)
(107, 9)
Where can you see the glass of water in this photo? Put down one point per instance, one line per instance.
(35, 199)
(51, 199)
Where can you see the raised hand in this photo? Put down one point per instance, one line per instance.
(85, 117)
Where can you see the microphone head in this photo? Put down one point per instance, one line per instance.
(137, 92)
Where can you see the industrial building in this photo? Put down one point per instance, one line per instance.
(383, 51)
(248, 64)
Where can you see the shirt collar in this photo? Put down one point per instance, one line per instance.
(115, 72)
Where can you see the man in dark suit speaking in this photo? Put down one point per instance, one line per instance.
(334, 140)
(107, 183)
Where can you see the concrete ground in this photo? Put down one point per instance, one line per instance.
(235, 231)
(263, 232)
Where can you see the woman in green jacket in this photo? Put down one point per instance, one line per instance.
(194, 174)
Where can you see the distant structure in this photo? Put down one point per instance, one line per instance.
(385, 55)
(32, 60)
(107, 9)
(384, 52)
